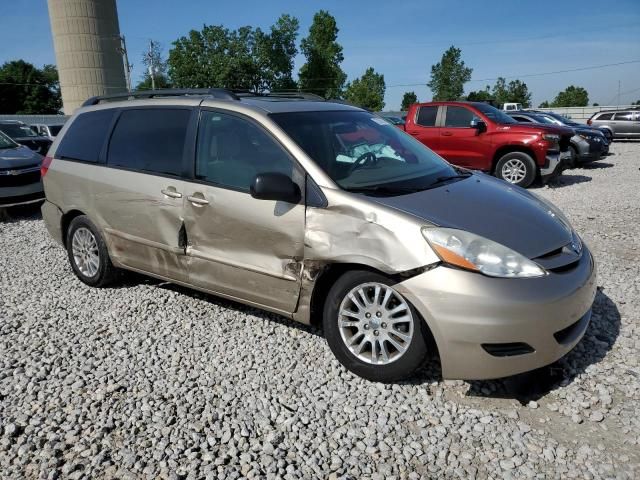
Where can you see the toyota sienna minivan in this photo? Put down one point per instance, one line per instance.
(321, 212)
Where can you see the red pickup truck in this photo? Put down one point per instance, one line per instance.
(478, 136)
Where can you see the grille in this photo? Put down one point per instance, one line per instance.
(20, 179)
(564, 143)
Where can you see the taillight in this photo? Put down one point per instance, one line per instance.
(589, 122)
(44, 167)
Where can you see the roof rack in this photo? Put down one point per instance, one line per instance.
(292, 94)
(220, 93)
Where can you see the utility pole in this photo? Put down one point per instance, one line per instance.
(150, 60)
(125, 59)
(618, 93)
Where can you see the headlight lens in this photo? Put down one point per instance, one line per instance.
(472, 252)
(551, 137)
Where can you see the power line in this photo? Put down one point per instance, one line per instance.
(528, 75)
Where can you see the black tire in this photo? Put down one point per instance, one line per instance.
(573, 160)
(522, 158)
(404, 365)
(106, 272)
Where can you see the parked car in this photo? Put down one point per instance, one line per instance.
(397, 121)
(562, 120)
(46, 130)
(22, 133)
(511, 107)
(19, 174)
(587, 145)
(478, 136)
(621, 123)
(321, 212)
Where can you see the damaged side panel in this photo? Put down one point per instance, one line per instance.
(359, 231)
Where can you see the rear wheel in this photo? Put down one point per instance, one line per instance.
(88, 253)
(372, 329)
(517, 168)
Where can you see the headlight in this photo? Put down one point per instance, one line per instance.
(472, 252)
(551, 137)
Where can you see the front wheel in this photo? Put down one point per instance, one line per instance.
(372, 329)
(517, 168)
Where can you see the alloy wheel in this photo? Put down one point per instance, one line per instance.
(514, 170)
(376, 323)
(84, 247)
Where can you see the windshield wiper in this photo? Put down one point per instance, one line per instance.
(384, 190)
(446, 178)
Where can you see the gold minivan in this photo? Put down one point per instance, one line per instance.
(321, 212)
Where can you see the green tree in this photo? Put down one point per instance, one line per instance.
(26, 89)
(571, 96)
(449, 76)
(321, 74)
(245, 58)
(596, 104)
(367, 91)
(516, 91)
(408, 99)
(153, 62)
(481, 95)
(544, 104)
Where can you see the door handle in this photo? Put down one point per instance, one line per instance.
(447, 134)
(171, 193)
(199, 201)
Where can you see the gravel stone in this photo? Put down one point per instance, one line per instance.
(151, 380)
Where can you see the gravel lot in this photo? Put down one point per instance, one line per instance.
(149, 380)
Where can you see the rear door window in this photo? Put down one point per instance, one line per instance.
(85, 137)
(624, 116)
(150, 140)
(605, 116)
(427, 116)
(459, 117)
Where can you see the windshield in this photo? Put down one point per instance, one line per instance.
(492, 113)
(15, 130)
(6, 142)
(361, 152)
(544, 119)
(561, 120)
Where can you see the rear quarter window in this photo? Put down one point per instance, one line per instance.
(85, 137)
(604, 116)
(150, 140)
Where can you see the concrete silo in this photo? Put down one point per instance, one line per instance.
(86, 38)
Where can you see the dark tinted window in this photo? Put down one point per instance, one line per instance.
(232, 151)
(623, 116)
(86, 135)
(521, 119)
(427, 116)
(459, 117)
(605, 116)
(151, 140)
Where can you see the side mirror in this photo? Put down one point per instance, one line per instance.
(275, 186)
(478, 125)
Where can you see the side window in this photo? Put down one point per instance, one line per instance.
(150, 140)
(85, 137)
(458, 117)
(232, 151)
(521, 119)
(624, 116)
(427, 116)
(605, 116)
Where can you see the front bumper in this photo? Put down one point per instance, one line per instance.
(554, 164)
(466, 310)
(21, 195)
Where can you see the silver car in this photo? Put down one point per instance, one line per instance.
(323, 213)
(621, 123)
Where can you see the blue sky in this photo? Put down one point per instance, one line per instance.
(400, 39)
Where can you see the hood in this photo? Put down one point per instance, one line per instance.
(530, 128)
(588, 130)
(17, 157)
(490, 208)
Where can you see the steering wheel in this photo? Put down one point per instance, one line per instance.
(367, 158)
